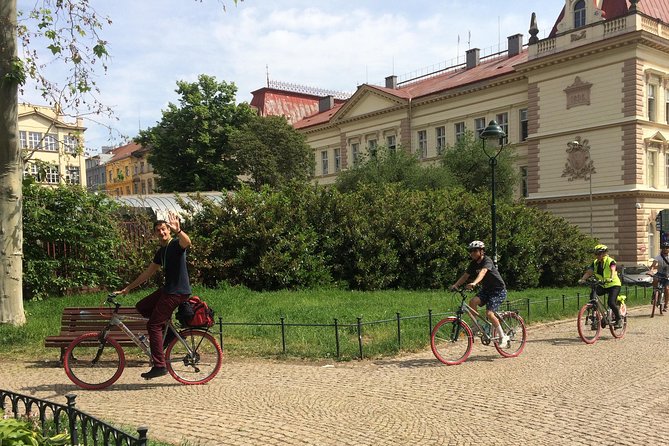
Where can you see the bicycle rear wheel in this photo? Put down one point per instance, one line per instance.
(589, 323)
(451, 341)
(198, 363)
(514, 327)
(93, 364)
(620, 332)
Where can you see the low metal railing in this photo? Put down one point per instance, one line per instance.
(54, 418)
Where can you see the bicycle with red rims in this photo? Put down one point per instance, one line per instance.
(452, 338)
(594, 315)
(658, 294)
(96, 360)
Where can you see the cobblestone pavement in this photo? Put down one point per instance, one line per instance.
(560, 391)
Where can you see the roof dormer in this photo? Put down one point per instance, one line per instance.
(580, 13)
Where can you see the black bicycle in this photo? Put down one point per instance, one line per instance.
(658, 299)
(595, 315)
(452, 338)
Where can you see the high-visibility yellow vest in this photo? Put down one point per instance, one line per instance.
(608, 274)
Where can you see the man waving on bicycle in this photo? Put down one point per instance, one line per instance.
(493, 288)
(159, 305)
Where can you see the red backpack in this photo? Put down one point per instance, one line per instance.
(195, 313)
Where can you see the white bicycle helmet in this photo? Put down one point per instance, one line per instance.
(476, 244)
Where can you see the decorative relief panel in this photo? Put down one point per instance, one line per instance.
(579, 165)
(578, 93)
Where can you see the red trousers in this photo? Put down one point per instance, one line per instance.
(158, 307)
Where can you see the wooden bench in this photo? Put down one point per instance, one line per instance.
(76, 321)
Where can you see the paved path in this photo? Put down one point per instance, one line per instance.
(556, 393)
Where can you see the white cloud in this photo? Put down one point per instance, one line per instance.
(334, 45)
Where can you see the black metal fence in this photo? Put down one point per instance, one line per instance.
(527, 308)
(53, 418)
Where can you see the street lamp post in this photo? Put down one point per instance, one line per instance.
(493, 132)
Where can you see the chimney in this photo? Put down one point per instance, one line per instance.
(473, 58)
(515, 44)
(325, 103)
(391, 82)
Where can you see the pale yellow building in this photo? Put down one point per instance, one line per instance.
(586, 108)
(52, 148)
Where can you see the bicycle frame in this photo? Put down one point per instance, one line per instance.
(486, 339)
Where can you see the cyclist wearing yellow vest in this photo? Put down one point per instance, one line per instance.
(604, 269)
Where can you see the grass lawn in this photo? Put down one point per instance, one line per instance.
(308, 318)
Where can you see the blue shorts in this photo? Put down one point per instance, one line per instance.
(492, 299)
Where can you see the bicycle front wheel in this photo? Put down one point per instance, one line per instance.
(92, 363)
(514, 327)
(655, 302)
(589, 323)
(195, 362)
(451, 341)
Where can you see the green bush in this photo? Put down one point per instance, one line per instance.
(70, 240)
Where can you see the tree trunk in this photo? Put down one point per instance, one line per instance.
(11, 215)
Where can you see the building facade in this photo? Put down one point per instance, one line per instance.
(586, 109)
(52, 149)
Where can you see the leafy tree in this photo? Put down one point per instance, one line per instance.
(392, 167)
(190, 147)
(69, 31)
(271, 152)
(469, 166)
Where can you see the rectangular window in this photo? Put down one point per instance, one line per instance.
(666, 105)
(143, 187)
(651, 102)
(422, 143)
(337, 160)
(70, 144)
(391, 143)
(479, 126)
(523, 181)
(34, 139)
(355, 152)
(141, 167)
(652, 165)
(127, 172)
(503, 121)
(459, 131)
(50, 143)
(135, 188)
(440, 133)
(371, 147)
(51, 175)
(73, 175)
(324, 162)
(149, 186)
(23, 139)
(579, 15)
(523, 124)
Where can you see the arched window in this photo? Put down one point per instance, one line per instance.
(579, 14)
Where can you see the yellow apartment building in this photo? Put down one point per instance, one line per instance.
(586, 108)
(52, 148)
(119, 170)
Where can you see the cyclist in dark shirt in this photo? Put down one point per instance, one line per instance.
(493, 290)
(159, 305)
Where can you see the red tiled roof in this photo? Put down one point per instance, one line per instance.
(294, 106)
(125, 151)
(486, 70)
(614, 9)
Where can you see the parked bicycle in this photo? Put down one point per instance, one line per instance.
(452, 338)
(594, 315)
(96, 360)
(658, 299)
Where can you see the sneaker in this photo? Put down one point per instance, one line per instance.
(593, 326)
(504, 343)
(155, 372)
(618, 323)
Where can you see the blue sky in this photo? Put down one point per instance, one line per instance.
(337, 45)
